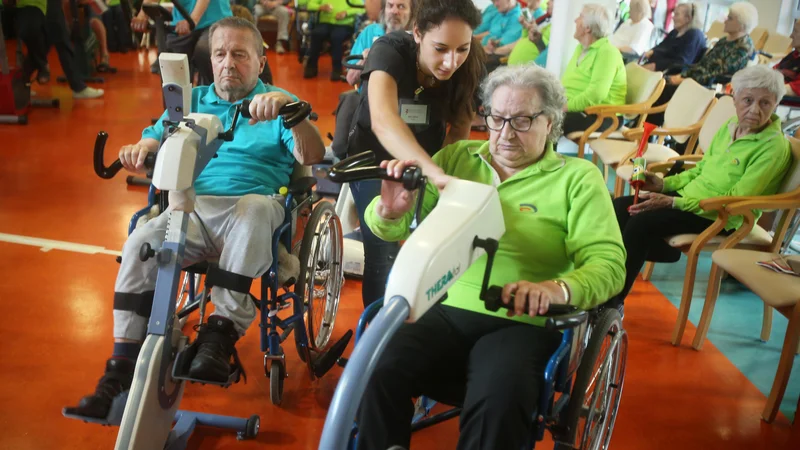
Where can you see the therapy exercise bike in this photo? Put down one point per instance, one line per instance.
(146, 412)
(587, 369)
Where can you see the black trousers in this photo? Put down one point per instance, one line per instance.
(29, 22)
(644, 233)
(501, 362)
(579, 121)
(118, 30)
(337, 35)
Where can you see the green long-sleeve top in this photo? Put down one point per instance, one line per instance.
(598, 79)
(338, 6)
(751, 165)
(559, 221)
(726, 58)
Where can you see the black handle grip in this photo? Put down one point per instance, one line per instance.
(355, 5)
(107, 173)
(347, 64)
(292, 113)
(559, 317)
(355, 168)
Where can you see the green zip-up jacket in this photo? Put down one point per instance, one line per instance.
(338, 6)
(752, 165)
(599, 79)
(559, 220)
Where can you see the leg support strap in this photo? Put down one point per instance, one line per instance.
(227, 280)
(141, 304)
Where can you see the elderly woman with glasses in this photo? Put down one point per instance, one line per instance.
(561, 246)
(748, 156)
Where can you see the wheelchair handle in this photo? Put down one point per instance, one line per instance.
(351, 65)
(356, 168)
(107, 173)
(292, 113)
(559, 317)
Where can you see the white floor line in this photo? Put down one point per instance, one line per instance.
(46, 245)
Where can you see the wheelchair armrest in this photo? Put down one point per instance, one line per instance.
(302, 186)
(566, 321)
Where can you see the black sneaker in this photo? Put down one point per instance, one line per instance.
(336, 75)
(310, 72)
(215, 341)
(116, 380)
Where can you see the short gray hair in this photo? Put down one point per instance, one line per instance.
(759, 77)
(530, 76)
(239, 24)
(691, 9)
(746, 13)
(598, 20)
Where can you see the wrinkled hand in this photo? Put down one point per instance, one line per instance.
(341, 15)
(182, 28)
(652, 201)
(139, 23)
(395, 199)
(648, 54)
(265, 107)
(539, 297)
(652, 182)
(438, 178)
(132, 157)
(489, 48)
(326, 8)
(534, 35)
(675, 79)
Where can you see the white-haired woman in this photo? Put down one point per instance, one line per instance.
(596, 73)
(632, 38)
(748, 156)
(683, 44)
(561, 245)
(729, 55)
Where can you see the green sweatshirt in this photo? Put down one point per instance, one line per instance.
(41, 4)
(338, 6)
(752, 165)
(599, 79)
(526, 51)
(559, 220)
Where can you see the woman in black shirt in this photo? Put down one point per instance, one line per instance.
(417, 96)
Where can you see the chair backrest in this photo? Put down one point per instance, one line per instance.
(722, 111)
(687, 106)
(642, 84)
(716, 31)
(759, 36)
(777, 45)
(791, 181)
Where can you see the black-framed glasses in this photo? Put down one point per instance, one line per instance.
(518, 123)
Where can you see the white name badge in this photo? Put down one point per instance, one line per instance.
(414, 113)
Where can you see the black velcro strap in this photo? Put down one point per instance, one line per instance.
(676, 168)
(141, 304)
(227, 280)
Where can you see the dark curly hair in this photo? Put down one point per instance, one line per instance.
(430, 14)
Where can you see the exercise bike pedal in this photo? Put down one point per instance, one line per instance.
(321, 365)
(114, 417)
(180, 370)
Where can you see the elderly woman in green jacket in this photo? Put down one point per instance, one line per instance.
(596, 74)
(748, 156)
(561, 245)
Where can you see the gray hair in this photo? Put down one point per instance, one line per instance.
(412, 7)
(598, 20)
(694, 17)
(644, 6)
(530, 76)
(239, 24)
(746, 13)
(759, 77)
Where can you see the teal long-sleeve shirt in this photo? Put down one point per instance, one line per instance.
(338, 6)
(751, 165)
(559, 221)
(504, 27)
(599, 78)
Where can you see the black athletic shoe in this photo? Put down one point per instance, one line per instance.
(215, 351)
(116, 380)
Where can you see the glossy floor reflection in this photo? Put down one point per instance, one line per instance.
(57, 323)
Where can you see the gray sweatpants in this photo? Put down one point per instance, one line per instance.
(236, 230)
(281, 13)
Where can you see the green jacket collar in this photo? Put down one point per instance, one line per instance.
(549, 162)
(770, 131)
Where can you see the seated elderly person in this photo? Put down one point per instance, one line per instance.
(729, 55)
(596, 74)
(500, 25)
(570, 252)
(278, 9)
(789, 66)
(335, 25)
(632, 38)
(532, 44)
(236, 211)
(683, 44)
(748, 156)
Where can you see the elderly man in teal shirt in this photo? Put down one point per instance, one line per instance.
(500, 25)
(236, 210)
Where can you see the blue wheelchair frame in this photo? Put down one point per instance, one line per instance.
(557, 379)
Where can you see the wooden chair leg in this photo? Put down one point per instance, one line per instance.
(619, 187)
(648, 270)
(784, 365)
(766, 323)
(605, 173)
(686, 299)
(714, 281)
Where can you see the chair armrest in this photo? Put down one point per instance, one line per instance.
(637, 108)
(766, 202)
(302, 186)
(687, 158)
(634, 133)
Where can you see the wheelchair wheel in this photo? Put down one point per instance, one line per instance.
(321, 277)
(276, 375)
(596, 393)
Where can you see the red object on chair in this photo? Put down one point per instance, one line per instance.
(637, 178)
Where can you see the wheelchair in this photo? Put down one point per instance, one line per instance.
(311, 231)
(584, 378)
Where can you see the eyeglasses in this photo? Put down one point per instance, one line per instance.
(518, 123)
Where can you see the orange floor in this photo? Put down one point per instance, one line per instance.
(57, 325)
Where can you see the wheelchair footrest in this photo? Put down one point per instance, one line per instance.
(180, 370)
(114, 417)
(322, 364)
